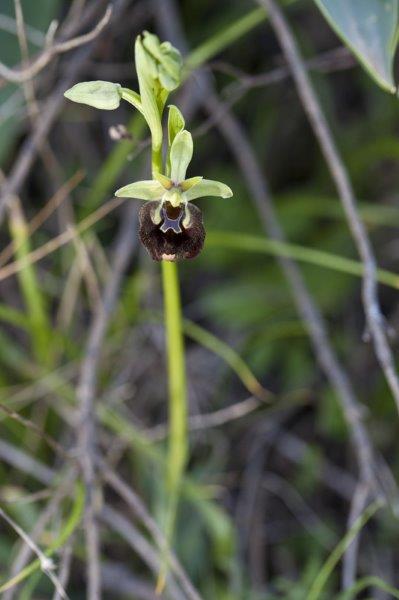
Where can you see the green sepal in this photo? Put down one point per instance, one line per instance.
(187, 184)
(208, 187)
(142, 190)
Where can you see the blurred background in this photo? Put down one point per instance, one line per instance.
(273, 476)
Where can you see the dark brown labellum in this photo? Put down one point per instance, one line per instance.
(169, 239)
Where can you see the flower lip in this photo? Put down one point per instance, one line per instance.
(171, 245)
(172, 217)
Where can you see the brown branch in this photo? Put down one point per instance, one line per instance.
(23, 555)
(86, 394)
(311, 105)
(349, 561)
(139, 509)
(23, 74)
(147, 552)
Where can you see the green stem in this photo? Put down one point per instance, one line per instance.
(156, 159)
(177, 450)
(177, 376)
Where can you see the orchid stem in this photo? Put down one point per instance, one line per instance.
(177, 451)
(177, 389)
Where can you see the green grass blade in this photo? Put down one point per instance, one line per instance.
(229, 355)
(253, 243)
(336, 555)
(40, 330)
(367, 582)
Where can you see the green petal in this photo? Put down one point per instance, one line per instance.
(187, 184)
(164, 181)
(207, 187)
(142, 190)
(181, 154)
(100, 94)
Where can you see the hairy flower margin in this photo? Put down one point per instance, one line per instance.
(170, 227)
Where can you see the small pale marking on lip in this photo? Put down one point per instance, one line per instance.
(170, 257)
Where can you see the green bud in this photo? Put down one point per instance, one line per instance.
(166, 61)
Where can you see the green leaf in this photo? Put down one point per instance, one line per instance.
(181, 153)
(100, 94)
(207, 187)
(142, 190)
(369, 28)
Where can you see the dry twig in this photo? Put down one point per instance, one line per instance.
(23, 74)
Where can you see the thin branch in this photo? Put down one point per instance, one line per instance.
(25, 552)
(37, 430)
(86, 394)
(48, 114)
(148, 553)
(65, 567)
(349, 560)
(46, 564)
(25, 73)
(34, 35)
(335, 60)
(43, 214)
(25, 463)
(213, 419)
(60, 240)
(311, 105)
(138, 507)
(119, 580)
